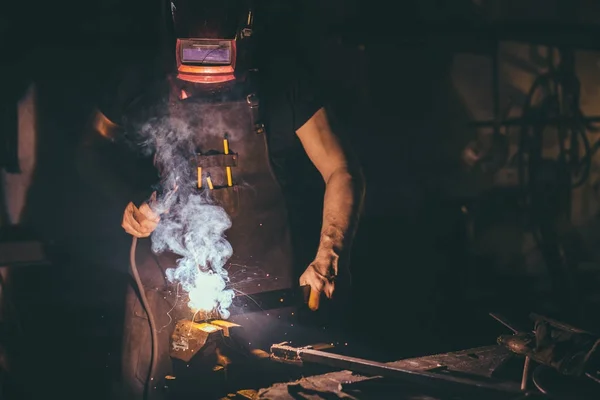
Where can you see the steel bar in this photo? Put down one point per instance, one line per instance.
(285, 353)
(505, 322)
(592, 377)
(525, 377)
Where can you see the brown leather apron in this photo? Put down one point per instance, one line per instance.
(262, 254)
(249, 193)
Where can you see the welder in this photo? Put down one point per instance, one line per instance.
(278, 138)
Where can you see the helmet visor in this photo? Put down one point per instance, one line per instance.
(206, 52)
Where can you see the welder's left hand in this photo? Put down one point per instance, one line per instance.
(139, 222)
(321, 275)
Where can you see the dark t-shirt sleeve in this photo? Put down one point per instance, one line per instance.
(118, 171)
(137, 69)
(111, 173)
(290, 97)
(305, 97)
(123, 86)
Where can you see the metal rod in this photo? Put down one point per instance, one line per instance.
(525, 376)
(283, 352)
(504, 322)
(592, 377)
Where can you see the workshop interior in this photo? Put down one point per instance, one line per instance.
(476, 261)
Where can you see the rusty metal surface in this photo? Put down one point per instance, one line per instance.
(190, 339)
(216, 341)
(285, 353)
(480, 362)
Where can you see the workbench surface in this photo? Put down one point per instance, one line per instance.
(481, 362)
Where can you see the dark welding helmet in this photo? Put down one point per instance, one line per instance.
(213, 39)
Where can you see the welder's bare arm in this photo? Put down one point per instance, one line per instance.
(344, 182)
(342, 203)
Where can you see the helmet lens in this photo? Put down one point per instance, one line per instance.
(206, 52)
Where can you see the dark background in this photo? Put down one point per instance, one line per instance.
(386, 66)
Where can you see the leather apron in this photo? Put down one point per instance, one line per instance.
(259, 235)
(249, 193)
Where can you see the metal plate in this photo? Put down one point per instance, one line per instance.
(482, 361)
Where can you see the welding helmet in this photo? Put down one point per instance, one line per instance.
(213, 39)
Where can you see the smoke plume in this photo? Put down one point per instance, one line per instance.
(191, 226)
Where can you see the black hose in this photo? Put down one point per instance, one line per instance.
(577, 130)
(574, 167)
(151, 322)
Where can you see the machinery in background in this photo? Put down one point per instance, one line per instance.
(540, 187)
(567, 358)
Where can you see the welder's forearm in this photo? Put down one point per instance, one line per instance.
(341, 209)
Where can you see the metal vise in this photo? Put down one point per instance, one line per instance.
(206, 340)
(216, 350)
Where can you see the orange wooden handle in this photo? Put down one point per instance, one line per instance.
(313, 300)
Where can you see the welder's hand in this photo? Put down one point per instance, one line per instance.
(139, 222)
(320, 276)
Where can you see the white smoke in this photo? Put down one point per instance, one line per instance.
(191, 226)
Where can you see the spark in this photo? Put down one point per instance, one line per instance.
(172, 308)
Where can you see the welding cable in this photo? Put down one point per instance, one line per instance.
(561, 90)
(151, 322)
(566, 102)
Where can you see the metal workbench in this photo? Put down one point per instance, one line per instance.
(482, 362)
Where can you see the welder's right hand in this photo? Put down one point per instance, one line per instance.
(139, 222)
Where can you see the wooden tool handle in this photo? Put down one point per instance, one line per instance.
(311, 297)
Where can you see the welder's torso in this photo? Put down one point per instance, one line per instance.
(251, 196)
